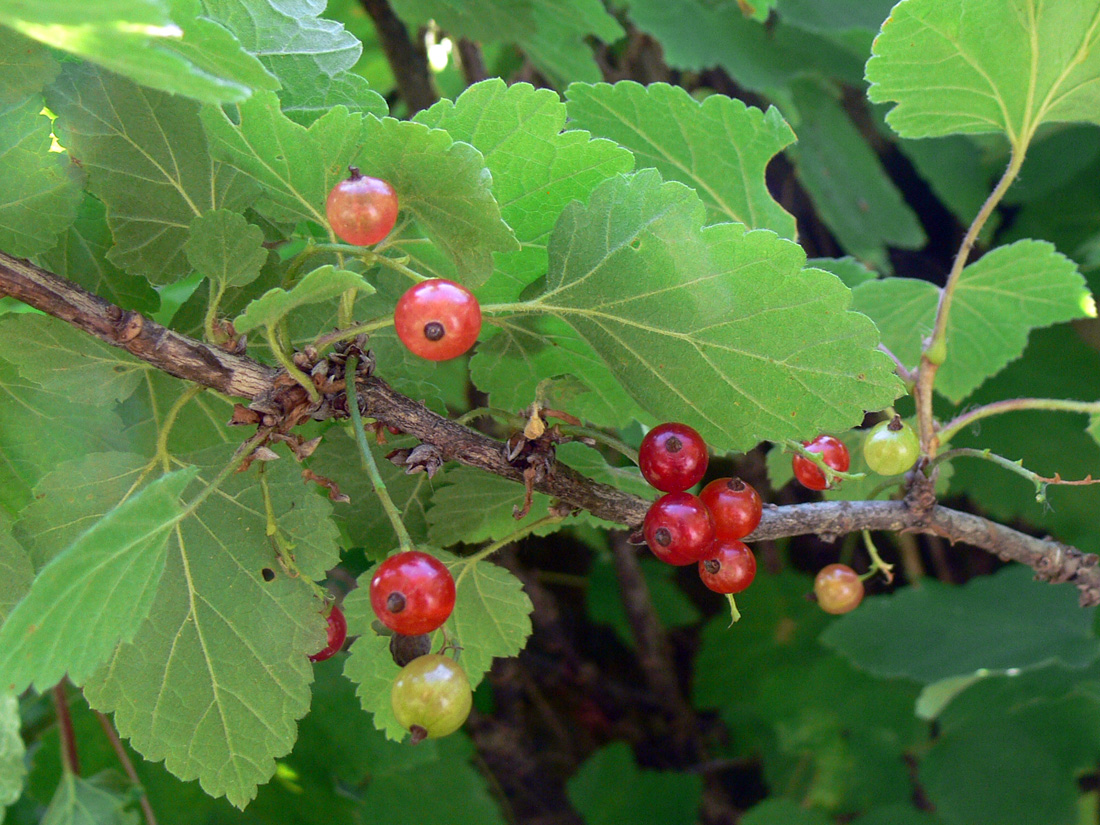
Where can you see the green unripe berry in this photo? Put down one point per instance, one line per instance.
(891, 447)
(431, 696)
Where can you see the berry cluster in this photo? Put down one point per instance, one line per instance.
(706, 530)
(436, 319)
(413, 594)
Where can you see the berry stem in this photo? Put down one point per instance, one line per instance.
(735, 614)
(603, 438)
(217, 291)
(70, 759)
(165, 428)
(288, 365)
(279, 543)
(1040, 482)
(392, 513)
(935, 350)
(877, 564)
(128, 767)
(792, 446)
(347, 333)
(515, 535)
(951, 428)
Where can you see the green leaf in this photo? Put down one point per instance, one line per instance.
(322, 284)
(41, 188)
(901, 814)
(959, 173)
(928, 643)
(40, 428)
(720, 147)
(604, 598)
(700, 34)
(95, 801)
(832, 15)
(68, 361)
(81, 256)
(310, 55)
(295, 166)
(362, 521)
(186, 55)
(853, 195)
(711, 326)
(479, 20)
(558, 44)
(1057, 364)
(75, 497)
(444, 185)
(225, 247)
(16, 571)
(471, 507)
(533, 354)
(850, 271)
(370, 664)
(1016, 761)
(217, 675)
(492, 615)
(94, 594)
(13, 770)
(147, 160)
(937, 61)
(779, 811)
(537, 168)
(641, 797)
(26, 67)
(537, 171)
(997, 301)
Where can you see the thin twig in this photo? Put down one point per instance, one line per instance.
(408, 62)
(128, 767)
(70, 759)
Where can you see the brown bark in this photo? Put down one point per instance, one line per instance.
(408, 61)
(243, 377)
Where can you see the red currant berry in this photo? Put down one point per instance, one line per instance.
(438, 319)
(673, 457)
(731, 568)
(337, 633)
(412, 593)
(834, 454)
(679, 528)
(431, 697)
(891, 447)
(361, 210)
(838, 588)
(735, 505)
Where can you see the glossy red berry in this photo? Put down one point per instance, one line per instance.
(412, 593)
(731, 568)
(673, 457)
(337, 633)
(735, 505)
(361, 210)
(838, 589)
(438, 319)
(679, 528)
(834, 454)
